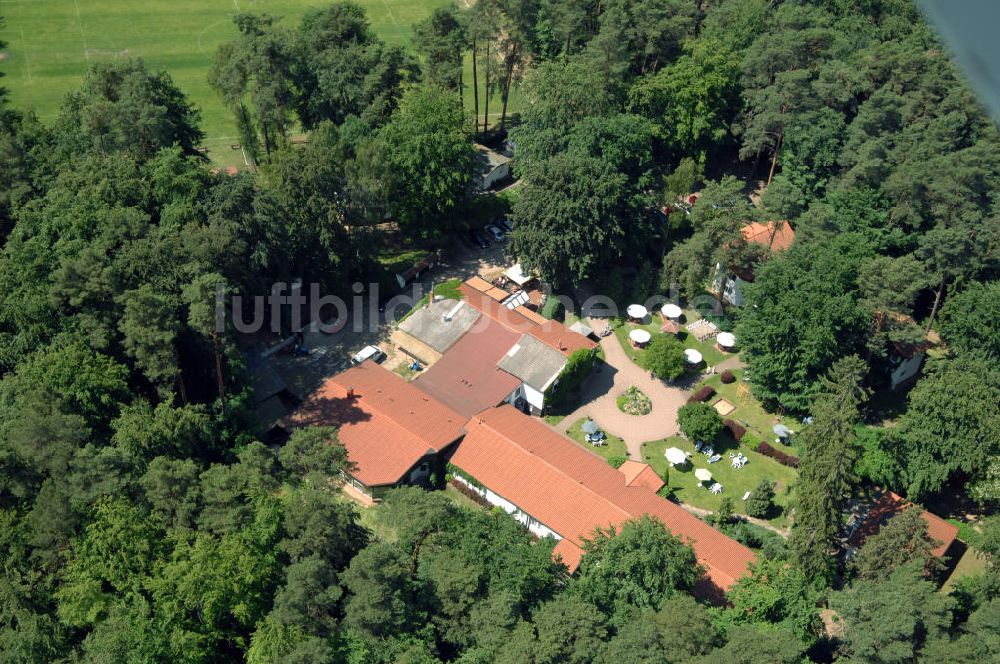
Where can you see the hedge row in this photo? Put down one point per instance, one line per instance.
(735, 429)
(704, 394)
(469, 492)
(787, 459)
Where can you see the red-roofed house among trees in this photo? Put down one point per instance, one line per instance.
(393, 431)
(888, 505)
(774, 236)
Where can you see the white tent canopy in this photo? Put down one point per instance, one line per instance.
(640, 336)
(637, 311)
(692, 356)
(517, 275)
(671, 311)
(703, 474)
(726, 339)
(675, 456)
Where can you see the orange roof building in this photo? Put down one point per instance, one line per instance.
(641, 474)
(889, 505)
(480, 294)
(775, 235)
(467, 377)
(392, 430)
(557, 488)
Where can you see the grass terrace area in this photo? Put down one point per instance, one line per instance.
(446, 289)
(400, 261)
(403, 370)
(751, 412)
(735, 482)
(708, 350)
(971, 563)
(614, 446)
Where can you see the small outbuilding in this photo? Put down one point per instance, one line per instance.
(491, 167)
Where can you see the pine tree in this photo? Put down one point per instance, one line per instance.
(826, 473)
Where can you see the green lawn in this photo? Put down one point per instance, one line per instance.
(751, 412)
(404, 371)
(708, 350)
(50, 43)
(615, 445)
(401, 260)
(735, 482)
(971, 563)
(449, 290)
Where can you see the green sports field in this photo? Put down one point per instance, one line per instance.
(50, 42)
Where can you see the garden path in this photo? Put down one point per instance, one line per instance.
(600, 391)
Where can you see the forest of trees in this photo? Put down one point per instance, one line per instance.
(142, 521)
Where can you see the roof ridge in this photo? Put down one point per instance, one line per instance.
(545, 461)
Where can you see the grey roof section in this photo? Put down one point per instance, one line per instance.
(535, 363)
(487, 160)
(441, 324)
(581, 328)
(265, 379)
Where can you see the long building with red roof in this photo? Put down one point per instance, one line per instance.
(558, 489)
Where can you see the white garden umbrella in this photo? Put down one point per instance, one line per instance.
(675, 456)
(640, 336)
(703, 474)
(726, 339)
(636, 311)
(692, 356)
(671, 311)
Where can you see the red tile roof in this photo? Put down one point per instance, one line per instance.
(572, 491)
(889, 505)
(775, 239)
(569, 553)
(641, 474)
(550, 332)
(387, 426)
(467, 378)
(486, 288)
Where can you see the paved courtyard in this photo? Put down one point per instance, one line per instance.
(601, 390)
(330, 353)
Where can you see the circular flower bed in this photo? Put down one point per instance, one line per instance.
(633, 402)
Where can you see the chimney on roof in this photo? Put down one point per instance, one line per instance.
(350, 393)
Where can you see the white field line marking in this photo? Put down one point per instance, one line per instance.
(27, 58)
(79, 21)
(389, 11)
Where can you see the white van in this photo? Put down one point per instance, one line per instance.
(373, 353)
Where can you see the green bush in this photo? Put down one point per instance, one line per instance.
(760, 504)
(749, 440)
(553, 309)
(578, 367)
(699, 421)
(665, 357)
(617, 461)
